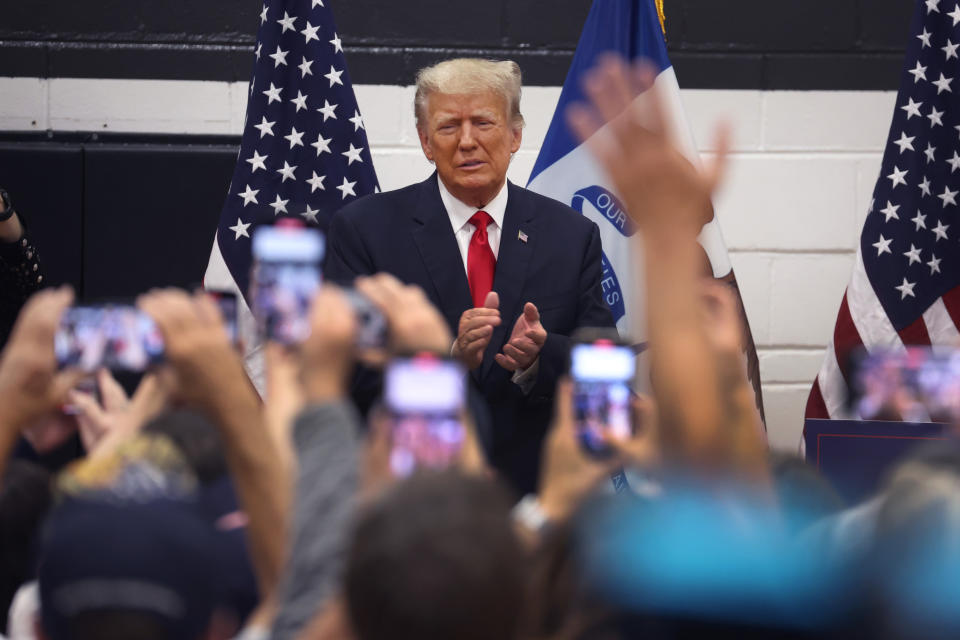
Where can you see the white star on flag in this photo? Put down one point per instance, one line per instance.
(295, 138)
(905, 142)
(936, 117)
(943, 84)
(948, 197)
(273, 94)
(287, 23)
(263, 15)
(310, 33)
(322, 145)
(357, 121)
(328, 110)
(287, 172)
(279, 205)
(950, 49)
(337, 46)
(250, 195)
(257, 162)
(353, 154)
(347, 188)
(883, 245)
(925, 39)
(240, 229)
(279, 57)
(906, 289)
(954, 162)
(305, 67)
(316, 182)
(310, 215)
(940, 231)
(333, 76)
(897, 177)
(913, 255)
(934, 265)
(933, 5)
(925, 187)
(266, 128)
(920, 220)
(912, 108)
(300, 101)
(890, 211)
(930, 153)
(955, 14)
(919, 73)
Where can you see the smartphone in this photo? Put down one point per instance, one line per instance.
(917, 384)
(230, 310)
(425, 396)
(118, 337)
(602, 372)
(286, 277)
(371, 323)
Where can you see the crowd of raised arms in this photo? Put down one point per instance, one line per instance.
(199, 508)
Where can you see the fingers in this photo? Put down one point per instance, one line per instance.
(492, 301)
(473, 318)
(506, 362)
(716, 169)
(608, 88)
(531, 313)
(563, 407)
(87, 404)
(111, 393)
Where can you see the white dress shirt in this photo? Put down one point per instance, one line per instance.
(460, 213)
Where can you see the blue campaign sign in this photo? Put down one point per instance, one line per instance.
(856, 455)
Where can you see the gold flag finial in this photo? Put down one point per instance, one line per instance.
(661, 15)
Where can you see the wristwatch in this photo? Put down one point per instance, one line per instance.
(8, 209)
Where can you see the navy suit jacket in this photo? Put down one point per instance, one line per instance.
(558, 268)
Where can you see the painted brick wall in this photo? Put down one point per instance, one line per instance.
(803, 171)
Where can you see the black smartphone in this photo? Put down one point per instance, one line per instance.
(118, 337)
(286, 277)
(603, 371)
(230, 311)
(371, 323)
(916, 384)
(425, 396)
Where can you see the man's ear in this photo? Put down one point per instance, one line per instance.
(517, 138)
(425, 143)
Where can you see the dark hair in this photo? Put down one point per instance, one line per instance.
(24, 501)
(196, 438)
(116, 625)
(436, 557)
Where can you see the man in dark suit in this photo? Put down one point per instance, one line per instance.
(513, 272)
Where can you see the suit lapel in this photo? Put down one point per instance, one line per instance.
(440, 254)
(510, 276)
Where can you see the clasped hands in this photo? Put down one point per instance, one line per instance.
(476, 330)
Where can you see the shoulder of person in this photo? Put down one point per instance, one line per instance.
(372, 207)
(568, 218)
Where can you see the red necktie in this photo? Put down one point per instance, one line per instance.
(480, 260)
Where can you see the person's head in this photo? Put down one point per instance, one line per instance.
(469, 123)
(436, 557)
(127, 551)
(24, 501)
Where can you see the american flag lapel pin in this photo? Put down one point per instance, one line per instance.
(522, 237)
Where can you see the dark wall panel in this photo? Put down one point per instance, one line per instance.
(151, 214)
(784, 44)
(46, 184)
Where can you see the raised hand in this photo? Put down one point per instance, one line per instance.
(476, 330)
(525, 342)
(415, 324)
(629, 137)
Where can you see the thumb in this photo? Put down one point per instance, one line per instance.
(531, 313)
(492, 301)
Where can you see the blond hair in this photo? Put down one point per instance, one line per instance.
(470, 76)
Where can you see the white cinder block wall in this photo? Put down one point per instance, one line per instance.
(802, 175)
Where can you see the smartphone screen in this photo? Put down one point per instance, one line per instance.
(371, 323)
(602, 374)
(286, 276)
(117, 337)
(916, 385)
(229, 308)
(425, 397)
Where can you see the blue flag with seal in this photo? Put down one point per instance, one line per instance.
(567, 172)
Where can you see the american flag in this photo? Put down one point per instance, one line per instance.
(304, 151)
(905, 288)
